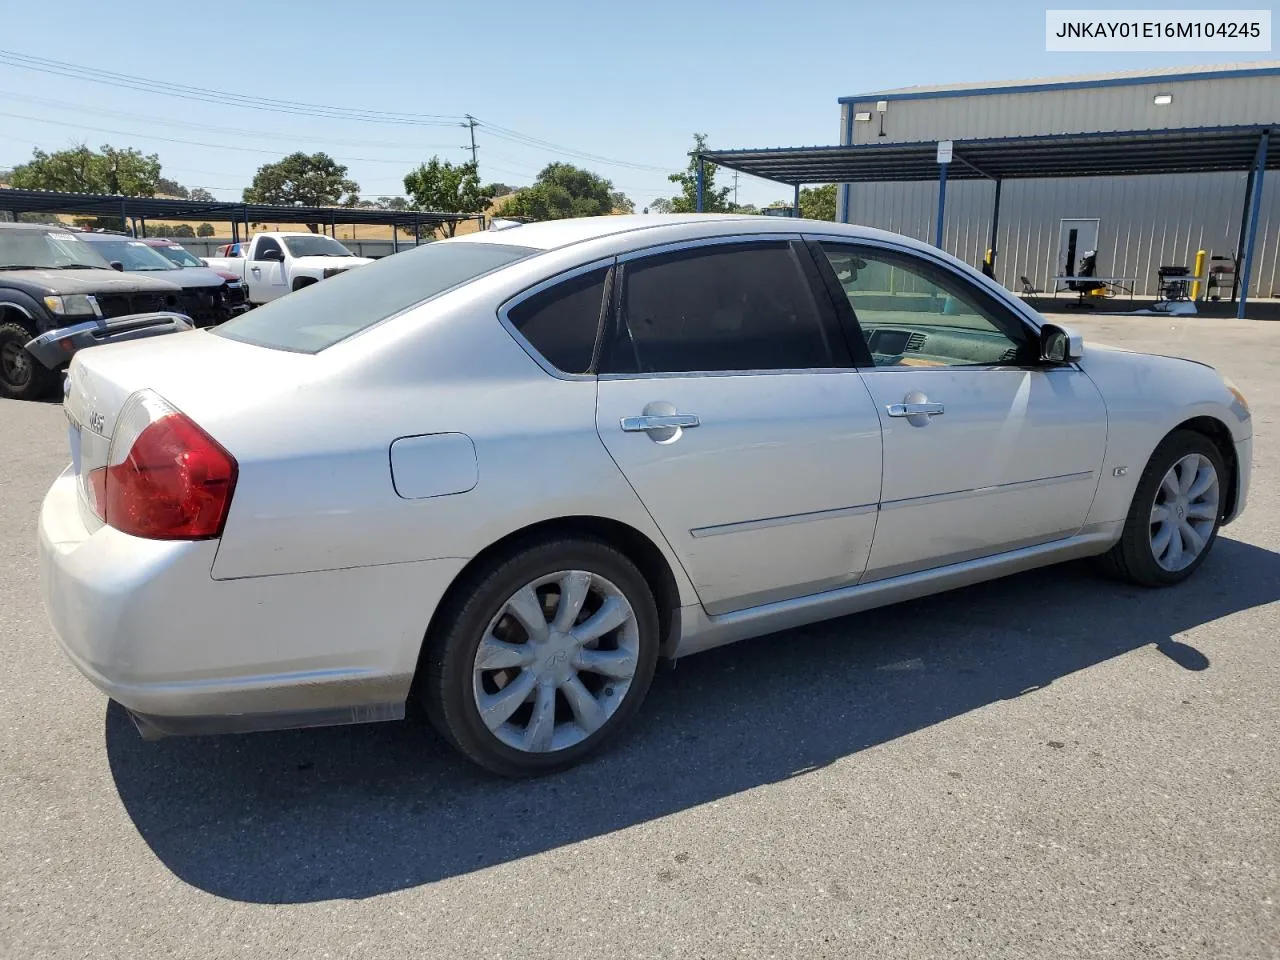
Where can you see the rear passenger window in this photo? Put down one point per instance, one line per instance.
(743, 306)
(561, 322)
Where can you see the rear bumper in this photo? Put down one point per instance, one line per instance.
(145, 622)
(55, 348)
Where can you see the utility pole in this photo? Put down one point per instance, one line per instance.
(735, 189)
(471, 125)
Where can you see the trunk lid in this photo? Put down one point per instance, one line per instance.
(203, 375)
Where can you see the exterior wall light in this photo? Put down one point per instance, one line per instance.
(1162, 99)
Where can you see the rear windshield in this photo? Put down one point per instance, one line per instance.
(318, 316)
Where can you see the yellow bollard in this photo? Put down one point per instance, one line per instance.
(1195, 284)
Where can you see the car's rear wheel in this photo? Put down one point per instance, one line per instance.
(22, 376)
(1175, 515)
(542, 658)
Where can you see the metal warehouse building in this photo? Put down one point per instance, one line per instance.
(1142, 221)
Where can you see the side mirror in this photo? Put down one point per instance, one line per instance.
(204, 262)
(274, 256)
(117, 265)
(1060, 344)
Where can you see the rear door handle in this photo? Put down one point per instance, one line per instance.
(643, 424)
(915, 409)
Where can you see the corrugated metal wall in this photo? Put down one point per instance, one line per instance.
(1217, 102)
(1146, 222)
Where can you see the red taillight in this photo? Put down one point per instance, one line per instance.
(173, 483)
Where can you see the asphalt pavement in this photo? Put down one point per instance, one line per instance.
(1053, 765)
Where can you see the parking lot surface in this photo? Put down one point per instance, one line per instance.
(1053, 765)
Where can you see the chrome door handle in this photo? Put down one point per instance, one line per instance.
(915, 409)
(642, 424)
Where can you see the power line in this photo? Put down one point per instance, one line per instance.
(515, 136)
(256, 134)
(193, 143)
(185, 92)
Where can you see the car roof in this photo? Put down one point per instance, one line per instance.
(659, 227)
(40, 227)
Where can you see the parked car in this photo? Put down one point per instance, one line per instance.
(58, 295)
(507, 472)
(236, 293)
(279, 263)
(205, 299)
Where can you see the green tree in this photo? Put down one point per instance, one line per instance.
(499, 189)
(126, 172)
(204, 230)
(445, 187)
(183, 230)
(563, 190)
(661, 205)
(303, 180)
(818, 203)
(713, 200)
(392, 203)
(745, 208)
(201, 194)
(172, 188)
(621, 203)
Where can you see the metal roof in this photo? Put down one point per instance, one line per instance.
(159, 208)
(1223, 71)
(1193, 150)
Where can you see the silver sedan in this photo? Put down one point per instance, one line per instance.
(507, 473)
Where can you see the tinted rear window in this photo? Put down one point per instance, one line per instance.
(318, 316)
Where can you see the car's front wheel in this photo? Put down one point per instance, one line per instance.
(542, 658)
(22, 376)
(1176, 512)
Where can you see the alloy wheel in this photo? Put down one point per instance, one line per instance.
(556, 661)
(1185, 512)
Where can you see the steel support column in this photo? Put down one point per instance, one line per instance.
(797, 203)
(1255, 207)
(701, 177)
(942, 203)
(1244, 223)
(846, 190)
(995, 224)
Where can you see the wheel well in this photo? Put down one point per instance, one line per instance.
(11, 313)
(1220, 435)
(637, 548)
(300, 282)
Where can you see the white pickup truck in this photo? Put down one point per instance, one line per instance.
(274, 264)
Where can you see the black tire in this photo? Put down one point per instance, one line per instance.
(303, 282)
(446, 674)
(1132, 558)
(22, 376)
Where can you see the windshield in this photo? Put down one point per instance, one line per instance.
(134, 254)
(38, 249)
(179, 255)
(318, 316)
(317, 246)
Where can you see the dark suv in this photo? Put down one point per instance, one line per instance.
(57, 294)
(205, 294)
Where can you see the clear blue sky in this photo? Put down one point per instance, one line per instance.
(621, 81)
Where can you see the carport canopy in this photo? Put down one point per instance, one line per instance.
(233, 212)
(1130, 153)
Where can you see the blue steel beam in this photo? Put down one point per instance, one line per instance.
(1259, 168)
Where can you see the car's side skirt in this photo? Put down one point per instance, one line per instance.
(702, 632)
